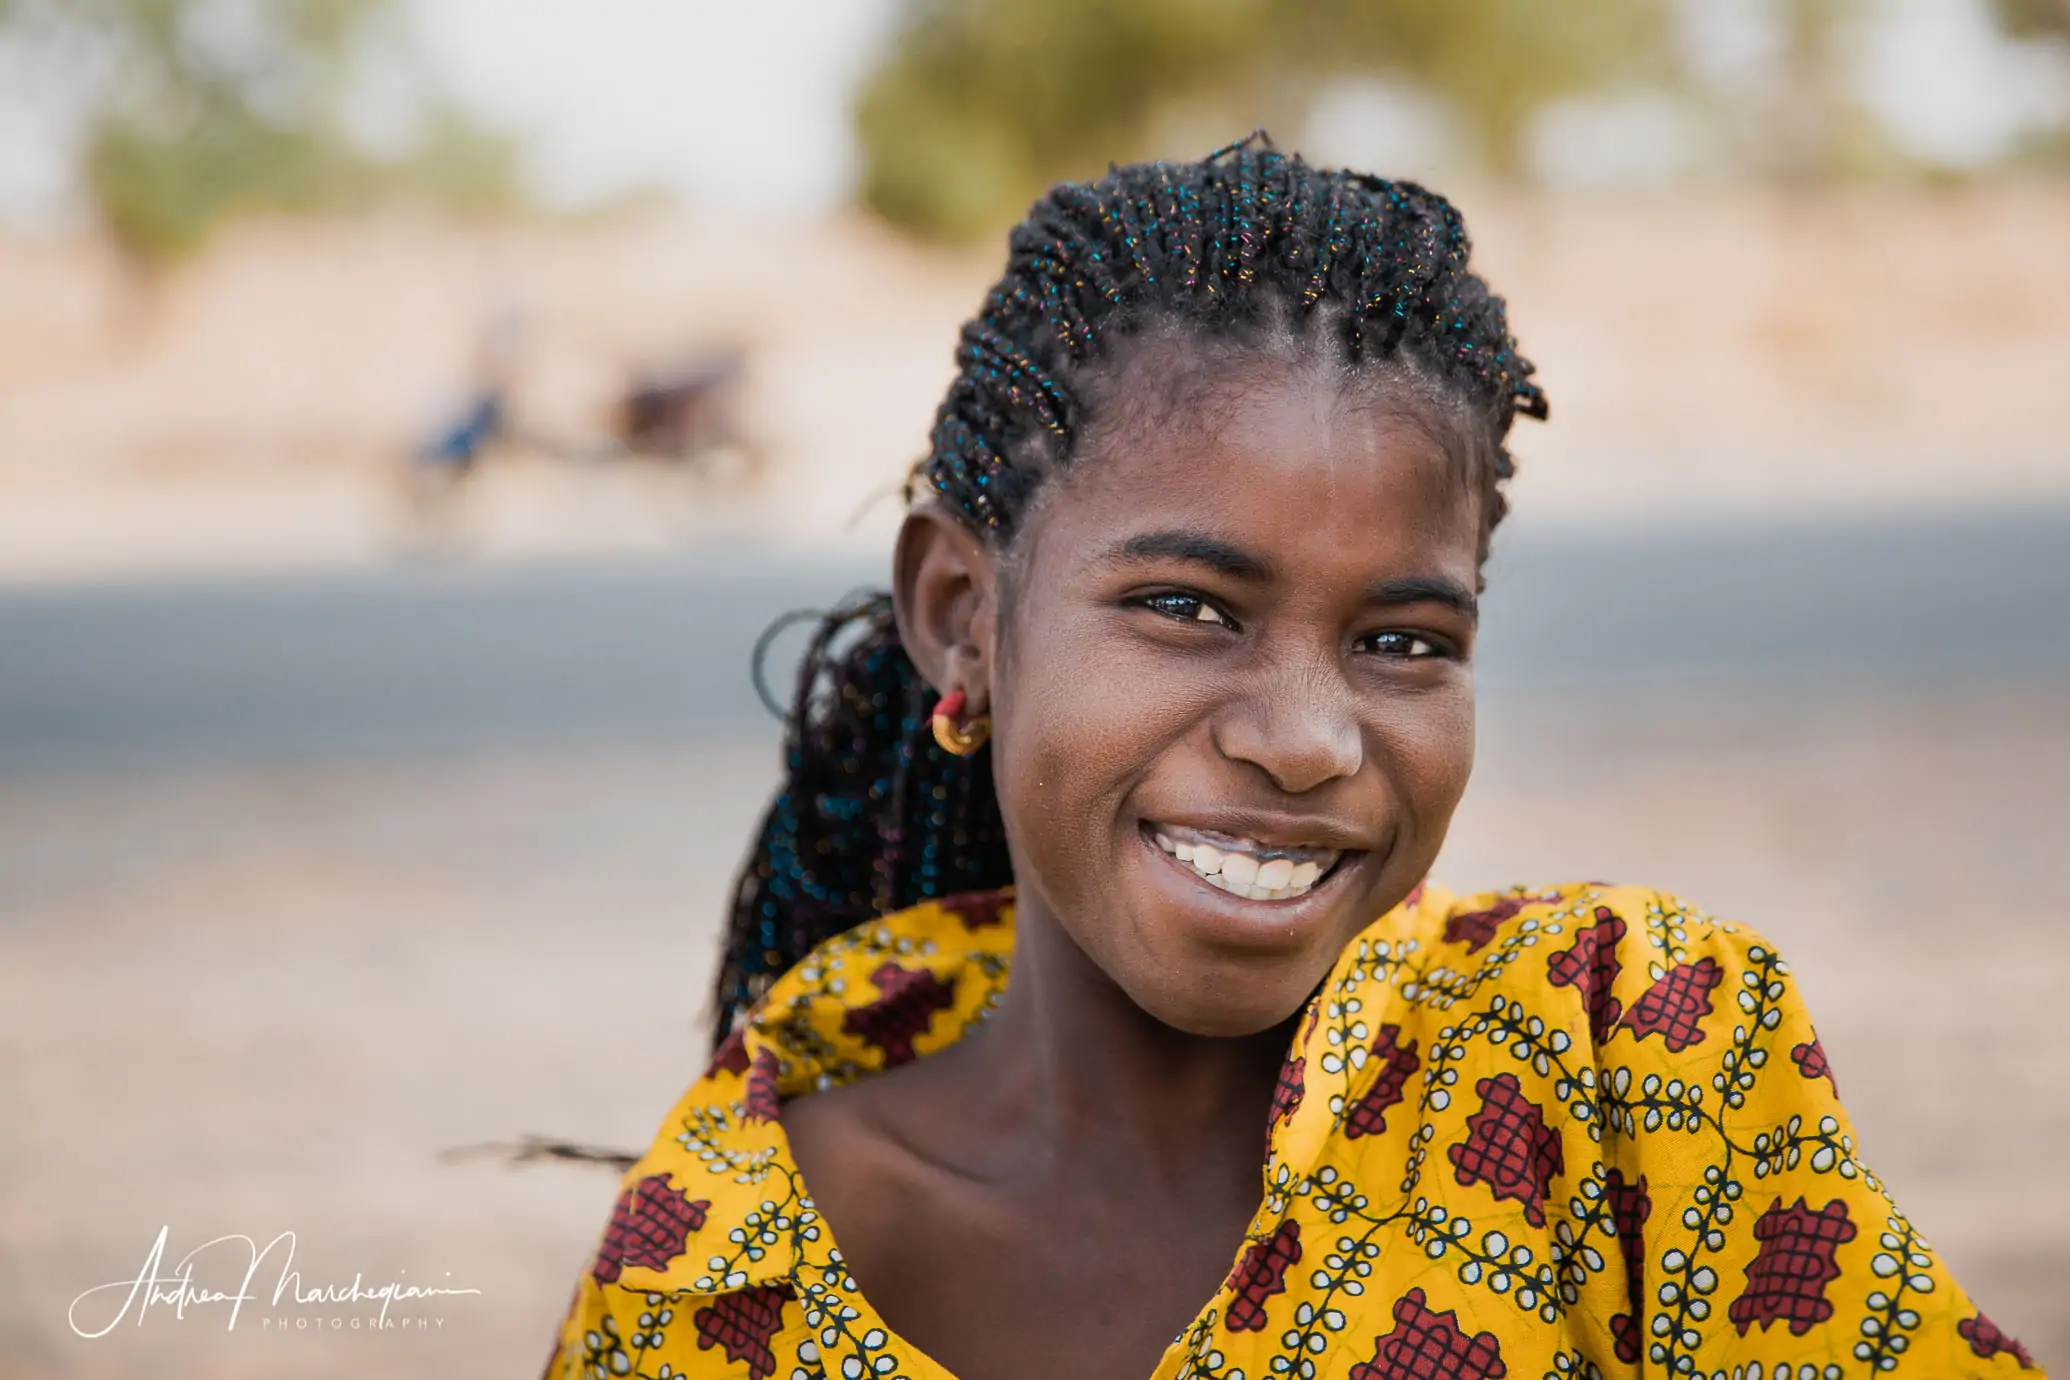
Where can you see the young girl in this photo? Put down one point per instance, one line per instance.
(1084, 984)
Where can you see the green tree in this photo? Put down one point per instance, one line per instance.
(982, 103)
(196, 110)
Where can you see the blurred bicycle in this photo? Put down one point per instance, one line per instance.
(687, 420)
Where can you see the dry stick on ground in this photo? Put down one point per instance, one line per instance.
(541, 1148)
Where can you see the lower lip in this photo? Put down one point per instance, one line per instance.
(1244, 921)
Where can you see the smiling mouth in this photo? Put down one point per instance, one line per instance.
(1245, 867)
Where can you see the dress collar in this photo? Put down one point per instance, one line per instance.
(888, 991)
(883, 993)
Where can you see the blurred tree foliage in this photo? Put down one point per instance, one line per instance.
(982, 103)
(1812, 130)
(2034, 18)
(196, 110)
(2046, 21)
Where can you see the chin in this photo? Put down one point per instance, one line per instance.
(1231, 965)
(1228, 1000)
(1208, 1024)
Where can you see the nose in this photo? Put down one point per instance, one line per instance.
(1300, 728)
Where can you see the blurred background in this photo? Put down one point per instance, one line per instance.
(412, 411)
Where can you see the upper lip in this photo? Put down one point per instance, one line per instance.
(1271, 831)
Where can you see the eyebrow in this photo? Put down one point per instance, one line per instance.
(1223, 558)
(1193, 547)
(1424, 589)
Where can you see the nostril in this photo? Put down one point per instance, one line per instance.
(1299, 743)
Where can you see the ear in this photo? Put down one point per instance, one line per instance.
(944, 592)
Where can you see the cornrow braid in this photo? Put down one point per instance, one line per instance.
(873, 816)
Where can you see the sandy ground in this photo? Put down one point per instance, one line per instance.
(1709, 351)
(264, 1000)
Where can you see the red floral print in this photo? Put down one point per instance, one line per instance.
(1287, 1093)
(742, 1323)
(911, 998)
(1427, 1345)
(1368, 1115)
(1987, 1341)
(1810, 1059)
(1674, 1007)
(1786, 1282)
(1261, 1273)
(730, 1057)
(978, 910)
(649, 1227)
(1508, 1147)
(1590, 965)
(1630, 1205)
(761, 1101)
(1474, 928)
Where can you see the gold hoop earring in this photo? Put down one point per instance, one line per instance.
(953, 736)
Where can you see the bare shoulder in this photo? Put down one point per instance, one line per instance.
(861, 1147)
(845, 1134)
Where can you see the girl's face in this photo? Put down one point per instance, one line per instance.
(1231, 692)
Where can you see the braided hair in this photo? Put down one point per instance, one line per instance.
(873, 816)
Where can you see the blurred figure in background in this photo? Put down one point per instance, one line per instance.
(680, 413)
(485, 419)
(688, 418)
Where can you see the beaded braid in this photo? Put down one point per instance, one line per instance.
(873, 816)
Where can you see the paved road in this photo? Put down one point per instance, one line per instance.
(374, 665)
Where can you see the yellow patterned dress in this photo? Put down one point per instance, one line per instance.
(1581, 1131)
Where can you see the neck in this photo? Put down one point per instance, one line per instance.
(1070, 1063)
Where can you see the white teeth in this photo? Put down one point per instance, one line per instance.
(1251, 893)
(1241, 874)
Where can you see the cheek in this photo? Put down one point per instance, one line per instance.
(1428, 750)
(1086, 717)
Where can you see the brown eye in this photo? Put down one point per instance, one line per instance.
(1402, 644)
(1188, 608)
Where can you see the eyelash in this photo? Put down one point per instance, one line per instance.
(1161, 603)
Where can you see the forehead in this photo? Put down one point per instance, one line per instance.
(1299, 460)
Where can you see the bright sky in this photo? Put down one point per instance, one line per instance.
(732, 102)
(744, 102)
